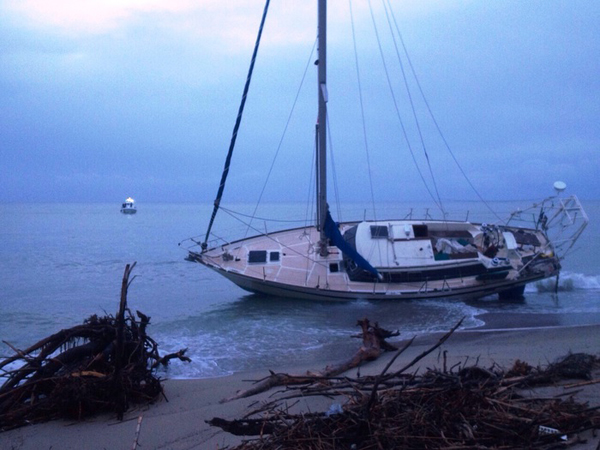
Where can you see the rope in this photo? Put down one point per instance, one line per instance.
(289, 119)
(268, 236)
(412, 105)
(253, 217)
(334, 173)
(362, 110)
(439, 130)
(402, 126)
(311, 191)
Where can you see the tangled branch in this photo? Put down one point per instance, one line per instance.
(103, 365)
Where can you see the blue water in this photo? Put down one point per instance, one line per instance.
(61, 263)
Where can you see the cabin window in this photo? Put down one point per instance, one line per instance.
(379, 232)
(420, 231)
(334, 267)
(262, 256)
(257, 256)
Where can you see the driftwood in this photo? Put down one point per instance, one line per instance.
(373, 345)
(103, 365)
(164, 361)
(465, 407)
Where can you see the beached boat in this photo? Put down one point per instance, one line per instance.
(128, 206)
(396, 258)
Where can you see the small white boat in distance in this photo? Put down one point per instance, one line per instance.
(128, 206)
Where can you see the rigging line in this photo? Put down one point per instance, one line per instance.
(434, 119)
(309, 214)
(289, 119)
(403, 128)
(414, 112)
(362, 109)
(268, 236)
(233, 213)
(310, 205)
(236, 127)
(334, 172)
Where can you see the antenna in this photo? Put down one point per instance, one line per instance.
(559, 186)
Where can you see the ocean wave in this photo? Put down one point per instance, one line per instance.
(254, 333)
(567, 282)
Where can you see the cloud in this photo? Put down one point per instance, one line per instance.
(90, 16)
(231, 21)
(227, 24)
(159, 83)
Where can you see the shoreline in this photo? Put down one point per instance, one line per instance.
(178, 421)
(517, 320)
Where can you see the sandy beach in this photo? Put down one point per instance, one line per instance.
(178, 422)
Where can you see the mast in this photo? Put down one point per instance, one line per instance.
(321, 158)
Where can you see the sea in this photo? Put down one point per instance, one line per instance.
(62, 263)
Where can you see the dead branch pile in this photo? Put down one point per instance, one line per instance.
(464, 407)
(103, 365)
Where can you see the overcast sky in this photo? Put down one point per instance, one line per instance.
(103, 99)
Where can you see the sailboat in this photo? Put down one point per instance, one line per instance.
(396, 259)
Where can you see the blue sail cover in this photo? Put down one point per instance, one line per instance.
(332, 232)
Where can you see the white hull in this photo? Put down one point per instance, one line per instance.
(306, 293)
(288, 264)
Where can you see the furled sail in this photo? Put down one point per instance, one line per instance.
(333, 233)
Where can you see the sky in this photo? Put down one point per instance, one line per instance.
(100, 100)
